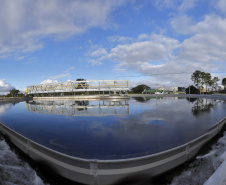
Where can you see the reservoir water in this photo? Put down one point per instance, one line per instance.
(113, 129)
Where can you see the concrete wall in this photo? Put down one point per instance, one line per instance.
(80, 97)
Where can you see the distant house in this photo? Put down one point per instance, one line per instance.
(162, 88)
(172, 89)
(203, 91)
(153, 91)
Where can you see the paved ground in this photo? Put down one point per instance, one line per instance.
(214, 96)
(14, 99)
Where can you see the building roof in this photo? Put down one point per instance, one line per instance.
(153, 90)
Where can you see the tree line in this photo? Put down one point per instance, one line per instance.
(205, 80)
(200, 79)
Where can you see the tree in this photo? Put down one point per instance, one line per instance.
(140, 88)
(197, 77)
(214, 83)
(181, 89)
(82, 85)
(224, 83)
(14, 92)
(193, 90)
(80, 79)
(206, 77)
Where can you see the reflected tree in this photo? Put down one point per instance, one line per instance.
(82, 103)
(146, 99)
(202, 105)
(141, 99)
(191, 99)
(224, 83)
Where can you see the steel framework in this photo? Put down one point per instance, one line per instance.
(79, 86)
(81, 108)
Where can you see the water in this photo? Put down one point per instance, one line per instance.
(113, 130)
(110, 130)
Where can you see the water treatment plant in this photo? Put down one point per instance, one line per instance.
(105, 139)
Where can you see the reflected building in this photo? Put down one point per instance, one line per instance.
(80, 108)
(202, 105)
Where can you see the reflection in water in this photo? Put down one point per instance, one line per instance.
(4, 107)
(111, 129)
(80, 108)
(146, 99)
(202, 105)
(191, 99)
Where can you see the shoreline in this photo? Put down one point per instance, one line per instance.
(118, 97)
(14, 99)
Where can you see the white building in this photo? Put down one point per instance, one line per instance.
(173, 89)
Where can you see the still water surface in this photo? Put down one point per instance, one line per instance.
(113, 130)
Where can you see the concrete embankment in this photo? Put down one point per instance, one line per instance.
(81, 97)
(14, 99)
(211, 96)
(98, 97)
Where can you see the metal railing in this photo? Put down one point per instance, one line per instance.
(79, 86)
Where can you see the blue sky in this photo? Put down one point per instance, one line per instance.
(44, 40)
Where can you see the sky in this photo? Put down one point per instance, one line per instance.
(152, 42)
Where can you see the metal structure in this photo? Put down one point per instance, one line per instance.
(80, 108)
(80, 86)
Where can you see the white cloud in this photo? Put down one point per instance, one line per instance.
(66, 73)
(95, 62)
(48, 81)
(143, 36)
(174, 61)
(99, 52)
(25, 23)
(69, 69)
(185, 25)
(5, 87)
(157, 48)
(120, 39)
(22, 89)
(60, 76)
(120, 70)
(207, 45)
(182, 24)
(187, 5)
(181, 6)
(162, 4)
(21, 57)
(221, 6)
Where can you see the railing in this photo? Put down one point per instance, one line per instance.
(79, 86)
